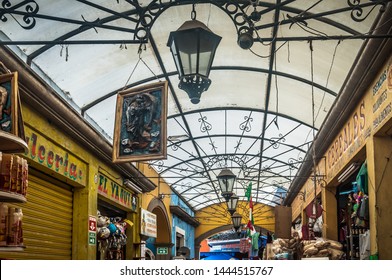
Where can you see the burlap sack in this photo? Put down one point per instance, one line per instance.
(311, 251)
(335, 245)
(335, 254)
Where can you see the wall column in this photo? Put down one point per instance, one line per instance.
(330, 227)
(379, 151)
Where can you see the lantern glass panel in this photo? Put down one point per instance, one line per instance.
(232, 203)
(236, 219)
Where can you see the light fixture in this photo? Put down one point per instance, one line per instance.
(232, 204)
(348, 172)
(236, 219)
(226, 180)
(193, 47)
(245, 40)
(128, 183)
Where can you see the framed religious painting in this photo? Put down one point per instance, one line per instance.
(140, 126)
(9, 104)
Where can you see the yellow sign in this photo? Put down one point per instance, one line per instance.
(373, 111)
(114, 192)
(45, 152)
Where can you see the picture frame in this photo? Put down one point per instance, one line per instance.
(9, 104)
(140, 129)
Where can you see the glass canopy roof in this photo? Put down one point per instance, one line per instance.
(263, 108)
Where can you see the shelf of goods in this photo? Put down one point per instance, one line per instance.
(11, 248)
(11, 197)
(10, 143)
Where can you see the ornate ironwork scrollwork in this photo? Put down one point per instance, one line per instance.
(222, 160)
(265, 169)
(215, 160)
(30, 6)
(357, 12)
(184, 187)
(149, 14)
(237, 147)
(183, 169)
(293, 163)
(213, 146)
(175, 145)
(158, 164)
(275, 141)
(246, 124)
(205, 126)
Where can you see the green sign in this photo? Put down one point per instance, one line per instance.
(162, 251)
(92, 238)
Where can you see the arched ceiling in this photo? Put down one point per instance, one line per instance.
(263, 108)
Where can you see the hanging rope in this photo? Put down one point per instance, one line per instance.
(133, 70)
(142, 48)
(277, 96)
(313, 121)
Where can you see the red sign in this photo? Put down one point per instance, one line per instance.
(92, 223)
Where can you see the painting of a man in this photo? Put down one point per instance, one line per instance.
(142, 123)
(140, 126)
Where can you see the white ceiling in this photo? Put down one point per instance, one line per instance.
(262, 108)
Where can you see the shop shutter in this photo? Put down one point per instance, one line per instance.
(47, 222)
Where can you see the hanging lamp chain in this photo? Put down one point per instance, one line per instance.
(193, 13)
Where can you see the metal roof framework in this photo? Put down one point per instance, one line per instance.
(265, 105)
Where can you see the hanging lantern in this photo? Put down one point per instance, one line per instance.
(226, 180)
(193, 47)
(232, 204)
(236, 219)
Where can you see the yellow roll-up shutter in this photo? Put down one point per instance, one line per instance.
(47, 222)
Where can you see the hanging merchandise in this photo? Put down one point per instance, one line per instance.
(364, 209)
(318, 224)
(354, 215)
(364, 245)
(362, 179)
(111, 237)
(314, 213)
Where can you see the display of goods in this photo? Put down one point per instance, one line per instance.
(322, 248)
(13, 174)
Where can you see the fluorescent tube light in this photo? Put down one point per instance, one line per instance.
(348, 172)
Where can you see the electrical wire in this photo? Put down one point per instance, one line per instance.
(329, 74)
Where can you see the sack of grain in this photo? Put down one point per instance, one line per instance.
(321, 244)
(322, 253)
(335, 254)
(335, 245)
(283, 242)
(307, 242)
(306, 247)
(311, 251)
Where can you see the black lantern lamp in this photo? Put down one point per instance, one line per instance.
(226, 180)
(245, 38)
(236, 219)
(232, 204)
(193, 48)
